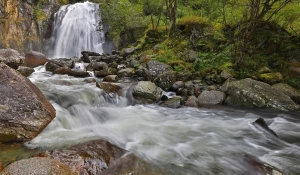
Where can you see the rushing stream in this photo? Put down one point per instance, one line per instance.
(180, 141)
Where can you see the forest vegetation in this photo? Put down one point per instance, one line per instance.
(240, 36)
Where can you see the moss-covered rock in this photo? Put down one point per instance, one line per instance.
(147, 90)
(270, 78)
(289, 91)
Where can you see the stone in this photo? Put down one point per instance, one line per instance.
(87, 54)
(34, 59)
(177, 85)
(36, 166)
(251, 93)
(211, 97)
(184, 76)
(110, 88)
(111, 78)
(79, 73)
(127, 72)
(192, 101)
(143, 73)
(62, 70)
(24, 110)
(191, 56)
(128, 51)
(25, 71)
(226, 75)
(155, 68)
(293, 93)
(102, 73)
(90, 80)
(165, 80)
(261, 124)
(97, 66)
(51, 67)
(270, 78)
(87, 158)
(174, 102)
(11, 57)
(264, 70)
(147, 90)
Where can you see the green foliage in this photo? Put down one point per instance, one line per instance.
(63, 2)
(39, 14)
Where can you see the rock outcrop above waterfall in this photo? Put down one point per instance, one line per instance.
(252, 93)
(36, 165)
(24, 110)
(11, 57)
(147, 90)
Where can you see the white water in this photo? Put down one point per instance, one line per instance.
(180, 141)
(75, 31)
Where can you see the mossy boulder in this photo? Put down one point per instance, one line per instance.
(211, 97)
(174, 102)
(251, 93)
(289, 91)
(270, 78)
(147, 90)
(165, 80)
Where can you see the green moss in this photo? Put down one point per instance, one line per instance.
(8, 137)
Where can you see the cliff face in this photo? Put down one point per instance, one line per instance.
(25, 24)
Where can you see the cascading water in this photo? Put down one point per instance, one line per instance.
(75, 31)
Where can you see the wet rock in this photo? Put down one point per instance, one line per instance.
(79, 73)
(177, 85)
(165, 80)
(36, 166)
(25, 71)
(127, 72)
(189, 88)
(270, 78)
(211, 97)
(51, 67)
(111, 78)
(87, 54)
(109, 88)
(192, 101)
(289, 91)
(131, 164)
(62, 70)
(164, 98)
(97, 66)
(252, 93)
(90, 80)
(11, 57)
(143, 73)
(89, 158)
(155, 68)
(34, 59)
(128, 51)
(174, 102)
(24, 110)
(147, 90)
(261, 124)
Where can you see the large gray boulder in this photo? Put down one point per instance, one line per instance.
(34, 59)
(147, 90)
(51, 67)
(11, 57)
(252, 93)
(289, 91)
(24, 110)
(155, 68)
(37, 166)
(211, 97)
(165, 80)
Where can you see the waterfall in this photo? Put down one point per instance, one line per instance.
(74, 30)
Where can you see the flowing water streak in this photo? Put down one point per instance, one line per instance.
(75, 30)
(180, 141)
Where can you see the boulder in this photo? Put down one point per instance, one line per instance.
(24, 110)
(87, 158)
(25, 71)
(109, 87)
(62, 70)
(34, 59)
(128, 51)
(127, 72)
(174, 102)
(111, 78)
(87, 54)
(155, 68)
(225, 75)
(36, 166)
(79, 73)
(143, 73)
(11, 57)
(251, 93)
(289, 91)
(192, 101)
(147, 90)
(97, 66)
(165, 80)
(90, 80)
(270, 78)
(261, 124)
(177, 85)
(211, 97)
(51, 67)
(264, 70)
